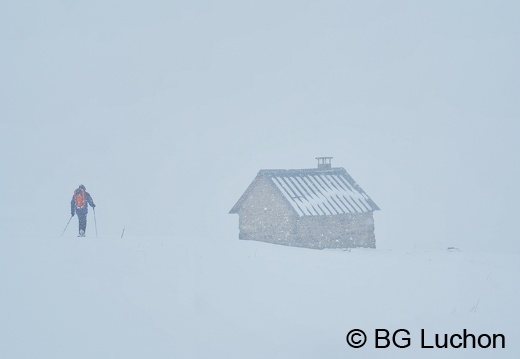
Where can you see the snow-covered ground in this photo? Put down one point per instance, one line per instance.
(167, 297)
(167, 110)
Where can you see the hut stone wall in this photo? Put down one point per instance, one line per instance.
(265, 216)
(338, 231)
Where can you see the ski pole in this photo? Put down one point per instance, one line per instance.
(66, 225)
(95, 223)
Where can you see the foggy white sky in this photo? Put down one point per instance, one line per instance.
(166, 110)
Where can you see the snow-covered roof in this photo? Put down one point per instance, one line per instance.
(318, 192)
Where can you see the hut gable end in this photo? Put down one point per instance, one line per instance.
(264, 214)
(262, 196)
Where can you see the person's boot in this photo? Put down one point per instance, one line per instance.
(81, 233)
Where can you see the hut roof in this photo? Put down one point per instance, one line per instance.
(317, 192)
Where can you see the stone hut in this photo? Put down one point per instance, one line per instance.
(318, 208)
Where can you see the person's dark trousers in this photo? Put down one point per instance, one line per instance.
(82, 222)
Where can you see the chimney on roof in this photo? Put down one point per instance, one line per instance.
(324, 163)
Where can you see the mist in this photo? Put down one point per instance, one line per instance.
(166, 111)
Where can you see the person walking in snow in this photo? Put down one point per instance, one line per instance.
(79, 205)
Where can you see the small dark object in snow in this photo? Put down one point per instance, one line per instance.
(452, 249)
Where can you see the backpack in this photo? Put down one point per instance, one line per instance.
(79, 198)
